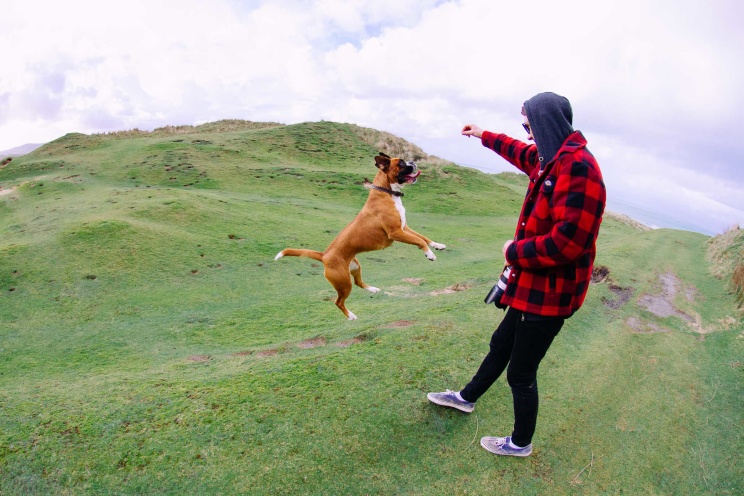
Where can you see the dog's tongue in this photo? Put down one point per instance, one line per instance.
(412, 177)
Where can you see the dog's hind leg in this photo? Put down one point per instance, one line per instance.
(341, 282)
(356, 272)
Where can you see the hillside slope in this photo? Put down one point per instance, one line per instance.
(149, 343)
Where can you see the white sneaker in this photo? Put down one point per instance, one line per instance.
(504, 446)
(450, 399)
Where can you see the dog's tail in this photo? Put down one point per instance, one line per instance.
(292, 252)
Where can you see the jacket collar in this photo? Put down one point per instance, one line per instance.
(574, 142)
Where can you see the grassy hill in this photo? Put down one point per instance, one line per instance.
(149, 344)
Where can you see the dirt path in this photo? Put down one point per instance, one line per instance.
(662, 305)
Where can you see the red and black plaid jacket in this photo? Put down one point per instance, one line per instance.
(555, 241)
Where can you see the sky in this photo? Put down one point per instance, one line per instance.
(655, 85)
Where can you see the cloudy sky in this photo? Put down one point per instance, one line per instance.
(656, 85)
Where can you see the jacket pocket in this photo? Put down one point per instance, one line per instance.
(548, 185)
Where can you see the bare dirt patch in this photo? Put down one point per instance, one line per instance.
(355, 340)
(416, 281)
(75, 178)
(400, 323)
(728, 322)
(691, 294)
(621, 296)
(451, 289)
(266, 353)
(662, 305)
(4, 192)
(199, 358)
(600, 274)
(312, 343)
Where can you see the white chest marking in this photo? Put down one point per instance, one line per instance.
(402, 211)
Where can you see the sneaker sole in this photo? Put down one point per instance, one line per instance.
(500, 453)
(450, 405)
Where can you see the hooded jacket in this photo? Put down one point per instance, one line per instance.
(555, 240)
(551, 122)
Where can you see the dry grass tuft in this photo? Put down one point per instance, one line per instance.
(223, 126)
(738, 281)
(395, 146)
(624, 219)
(726, 254)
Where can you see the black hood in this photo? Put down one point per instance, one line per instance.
(551, 122)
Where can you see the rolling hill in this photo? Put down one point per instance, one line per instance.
(149, 344)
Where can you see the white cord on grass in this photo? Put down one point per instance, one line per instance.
(476, 435)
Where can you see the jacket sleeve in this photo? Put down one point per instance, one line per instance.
(518, 153)
(578, 202)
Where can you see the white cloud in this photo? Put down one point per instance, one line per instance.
(657, 83)
(635, 175)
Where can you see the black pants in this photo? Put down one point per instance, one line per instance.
(520, 341)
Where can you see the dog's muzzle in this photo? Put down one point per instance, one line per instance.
(409, 173)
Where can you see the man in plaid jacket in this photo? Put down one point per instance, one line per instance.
(550, 257)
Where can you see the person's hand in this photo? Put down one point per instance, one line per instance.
(506, 247)
(472, 130)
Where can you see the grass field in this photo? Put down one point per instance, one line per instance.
(149, 344)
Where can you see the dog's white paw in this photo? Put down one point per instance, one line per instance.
(352, 316)
(437, 246)
(372, 289)
(430, 255)
(279, 255)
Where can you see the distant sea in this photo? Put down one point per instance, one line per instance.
(654, 219)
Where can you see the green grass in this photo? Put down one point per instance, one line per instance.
(149, 344)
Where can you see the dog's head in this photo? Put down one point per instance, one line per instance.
(397, 170)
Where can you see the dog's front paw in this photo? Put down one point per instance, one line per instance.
(437, 246)
(430, 255)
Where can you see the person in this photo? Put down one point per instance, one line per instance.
(551, 259)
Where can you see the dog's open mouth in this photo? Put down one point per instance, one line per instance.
(409, 173)
(411, 178)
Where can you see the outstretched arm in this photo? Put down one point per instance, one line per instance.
(521, 155)
(518, 153)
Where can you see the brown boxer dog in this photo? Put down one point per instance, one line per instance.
(381, 221)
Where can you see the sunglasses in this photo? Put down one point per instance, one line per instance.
(526, 127)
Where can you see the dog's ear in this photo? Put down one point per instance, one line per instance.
(382, 162)
(383, 154)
